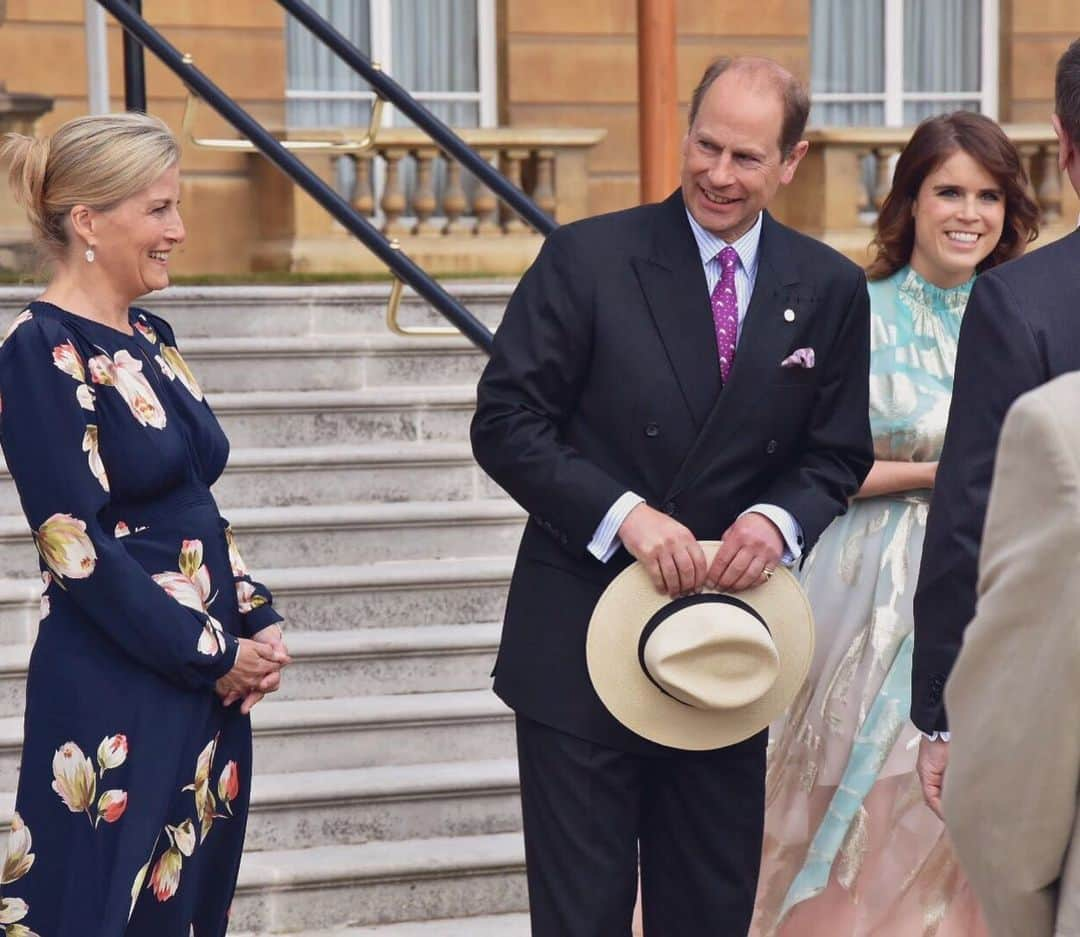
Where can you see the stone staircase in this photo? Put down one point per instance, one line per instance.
(385, 797)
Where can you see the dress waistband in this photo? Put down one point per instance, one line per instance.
(162, 507)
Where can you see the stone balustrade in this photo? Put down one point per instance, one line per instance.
(411, 191)
(846, 175)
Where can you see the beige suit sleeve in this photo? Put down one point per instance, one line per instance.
(1014, 696)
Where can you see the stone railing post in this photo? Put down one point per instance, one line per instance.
(486, 206)
(544, 192)
(454, 203)
(513, 163)
(1049, 190)
(425, 203)
(363, 199)
(393, 199)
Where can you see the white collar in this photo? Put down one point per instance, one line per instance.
(709, 245)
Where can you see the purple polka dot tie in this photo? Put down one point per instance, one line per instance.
(725, 310)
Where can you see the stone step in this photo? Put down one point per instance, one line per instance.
(330, 664)
(333, 309)
(352, 732)
(386, 471)
(343, 533)
(379, 883)
(362, 731)
(382, 804)
(330, 362)
(398, 593)
(378, 471)
(495, 925)
(391, 594)
(377, 661)
(335, 417)
(336, 533)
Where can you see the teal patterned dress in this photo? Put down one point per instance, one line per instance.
(850, 847)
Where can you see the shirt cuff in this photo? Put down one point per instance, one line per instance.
(936, 736)
(605, 541)
(789, 529)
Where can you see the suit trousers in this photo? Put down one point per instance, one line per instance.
(694, 819)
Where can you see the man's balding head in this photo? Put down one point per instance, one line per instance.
(762, 72)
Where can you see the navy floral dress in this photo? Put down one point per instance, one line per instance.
(134, 782)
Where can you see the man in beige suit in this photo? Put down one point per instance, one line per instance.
(1014, 696)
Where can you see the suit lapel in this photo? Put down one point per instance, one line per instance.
(763, 342)
(672, 279)
(765, 333)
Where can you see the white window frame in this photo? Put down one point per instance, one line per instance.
(382, 52)
(894, 97)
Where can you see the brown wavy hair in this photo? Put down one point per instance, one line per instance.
(934, 141)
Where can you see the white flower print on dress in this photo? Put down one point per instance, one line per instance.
(173, 366)
(18, 859)
(93, 455)
(25, 316)
(74, 778)
(46, 581)
(76, 781)
(67, 358)
(124, 373)
(191, 588)
(146, 330)
(65, 547)
(165, 369)
(112, 752)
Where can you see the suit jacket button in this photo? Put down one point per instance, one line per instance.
(652, 430)
(771, 446)
(670, 508)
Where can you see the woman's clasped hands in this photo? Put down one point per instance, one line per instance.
(257, 670)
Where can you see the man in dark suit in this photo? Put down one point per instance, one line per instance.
(636, 403)
(1021, 329)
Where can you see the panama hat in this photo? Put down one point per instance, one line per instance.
(703, 671)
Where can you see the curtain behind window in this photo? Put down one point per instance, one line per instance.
(847, 55)
(313, 67)
(942, 52)
(435, 48)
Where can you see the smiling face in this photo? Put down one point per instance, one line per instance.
(732, 164)
(959, 216)
(133, 240)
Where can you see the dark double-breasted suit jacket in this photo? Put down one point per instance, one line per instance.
(605, 378)
(1021, 329)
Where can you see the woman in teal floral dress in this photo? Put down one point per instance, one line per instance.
(154, 642)
(851, 849)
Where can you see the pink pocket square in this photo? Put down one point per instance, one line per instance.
(800, 358)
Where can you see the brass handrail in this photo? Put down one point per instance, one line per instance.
(362, 145)
(393, 304)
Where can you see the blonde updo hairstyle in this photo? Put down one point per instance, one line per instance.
(95, 161)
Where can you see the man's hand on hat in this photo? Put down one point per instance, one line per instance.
(752, 546)
(667, 549)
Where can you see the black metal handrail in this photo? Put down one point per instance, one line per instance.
(134, 68)
(448, 141)
(400, 264)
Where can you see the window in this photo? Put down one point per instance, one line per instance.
(895, 62)
(441, 51)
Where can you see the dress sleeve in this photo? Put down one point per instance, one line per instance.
(254, 599)
(49, 435)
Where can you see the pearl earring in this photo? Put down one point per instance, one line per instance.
(89, 255)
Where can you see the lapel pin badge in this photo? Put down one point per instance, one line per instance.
(789, 315)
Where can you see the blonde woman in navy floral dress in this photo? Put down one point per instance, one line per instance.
(153, 643)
